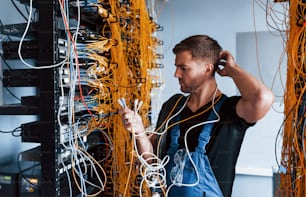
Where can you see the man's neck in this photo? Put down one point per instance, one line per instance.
(198, 100)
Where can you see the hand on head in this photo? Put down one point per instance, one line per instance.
(226, 63)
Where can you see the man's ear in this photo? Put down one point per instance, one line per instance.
(209, 67)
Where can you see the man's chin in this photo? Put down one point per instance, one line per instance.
(184, 90)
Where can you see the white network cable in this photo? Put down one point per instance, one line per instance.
(21, 42)
(157, 169)
(187, 149)
(80, 159)
(153, 173)
(77, 153)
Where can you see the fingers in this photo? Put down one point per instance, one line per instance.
(226, 58)
(225, 55)
(221, 71)
(131, 120)
(127, 122)
(125, 116)
(228, 65)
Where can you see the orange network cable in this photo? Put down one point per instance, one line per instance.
(126, 75)
(134, 75)
(293, 176)
(276, 20)
(120, 137)
(293, 150)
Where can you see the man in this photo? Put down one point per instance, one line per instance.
(202, 132)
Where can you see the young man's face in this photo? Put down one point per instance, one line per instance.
(189, 72)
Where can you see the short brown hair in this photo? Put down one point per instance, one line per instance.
(201, 46)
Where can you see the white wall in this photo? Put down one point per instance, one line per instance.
(262, 58)
(220, 19)
(224, 20)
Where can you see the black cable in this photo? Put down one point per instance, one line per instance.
(13, 132)
(14, 4)
(22, 175)
(28, 12)
(4, 60)
(18, 130)
(10, 92)
(6, 131)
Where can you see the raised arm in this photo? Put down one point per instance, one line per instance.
(256, 98)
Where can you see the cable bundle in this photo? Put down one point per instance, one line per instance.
(133, 54)
(293, 179)
(95, 71)
(119, 66)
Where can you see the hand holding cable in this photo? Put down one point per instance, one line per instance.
(152, 168)
(131, 120)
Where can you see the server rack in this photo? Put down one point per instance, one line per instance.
(45, 37)
(44, 131)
